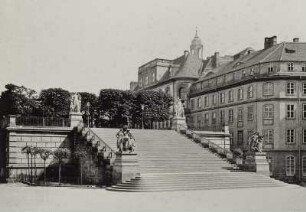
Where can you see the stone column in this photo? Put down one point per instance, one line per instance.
(125, 168)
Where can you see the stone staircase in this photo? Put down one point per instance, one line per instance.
(169, 161)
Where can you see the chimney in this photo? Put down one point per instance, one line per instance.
(186, 53)
(296, 40)
(217, 59)
(270, 41)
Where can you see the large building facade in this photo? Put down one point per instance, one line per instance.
(259, 91)
(252, 91)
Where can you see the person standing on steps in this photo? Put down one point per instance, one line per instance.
(125, 140)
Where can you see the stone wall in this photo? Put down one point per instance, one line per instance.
(19, 137)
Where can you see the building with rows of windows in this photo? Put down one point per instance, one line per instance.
(258, 91)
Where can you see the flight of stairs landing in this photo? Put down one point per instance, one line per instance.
(169, 161)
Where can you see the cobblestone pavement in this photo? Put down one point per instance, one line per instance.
(19, 197)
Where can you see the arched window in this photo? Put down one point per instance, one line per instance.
(290, 165)
(182, 93)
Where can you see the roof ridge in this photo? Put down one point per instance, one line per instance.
(272, 52)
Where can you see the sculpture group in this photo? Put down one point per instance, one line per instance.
(255, 143)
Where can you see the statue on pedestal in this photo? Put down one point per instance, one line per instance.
(255, 143)
(75, 103)
(179, 109)
(125, 140)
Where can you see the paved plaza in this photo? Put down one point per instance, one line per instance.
(19, 197)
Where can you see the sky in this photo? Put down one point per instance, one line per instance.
(88, 45)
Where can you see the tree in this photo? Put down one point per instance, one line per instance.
(34, 152)
(61, 154)
(156, 106)
(44, 155)
(79, 153)
(55, 102)
(116, 104)
(18, 100)
(92, 99)
(27, 150)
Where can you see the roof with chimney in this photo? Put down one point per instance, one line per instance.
(285, 51)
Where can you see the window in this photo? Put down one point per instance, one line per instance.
(214, 99)
(240, 114)
(240, 94)
(304, 111)
(230, 96)
(268, 89)
(268, 112)
(192, 104)
(252, 73)
(243, 73)
(153, 77)
(146, 80)
(167, 90)
(304, 67)
(199, 102)
(231, 115)
(270, 68)
(304, 88)
(268, 136)
(290, 88)
(199, 121)
(222, 116)
(290, 111)
(222, 98)
(290, 165)
(213, 118)
(304, 166)
(240, 137)
(290, 136)
(250, 91)
(250, 113)
(206, 103)
(206, 118)
(233, 76)
(290, 66)
(304, 136)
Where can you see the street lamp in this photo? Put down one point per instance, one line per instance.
(142, 109)
(88, 113)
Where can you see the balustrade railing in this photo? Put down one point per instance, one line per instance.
(223, 152)
(39, 121)
(102, 147)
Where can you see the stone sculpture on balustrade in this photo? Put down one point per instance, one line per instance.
(75, 114)
(179, 119)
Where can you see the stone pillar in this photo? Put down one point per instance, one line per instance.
(12, 121)
(178, 122)
(125, 167)
(75, 118)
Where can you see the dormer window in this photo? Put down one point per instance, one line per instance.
(243, 73)
(252, 73)
(304, 67)
(270, 68)
(290, 67)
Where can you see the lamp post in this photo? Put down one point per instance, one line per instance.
(88, 113)
(142, 109)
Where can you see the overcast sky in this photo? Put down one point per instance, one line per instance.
(86, 45)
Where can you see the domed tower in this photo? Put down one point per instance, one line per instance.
(196, 47)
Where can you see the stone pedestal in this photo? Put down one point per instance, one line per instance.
(262, 165)
(75, 119)
(178, 122)
(12, 121)
(125, 167)
(257, 163)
